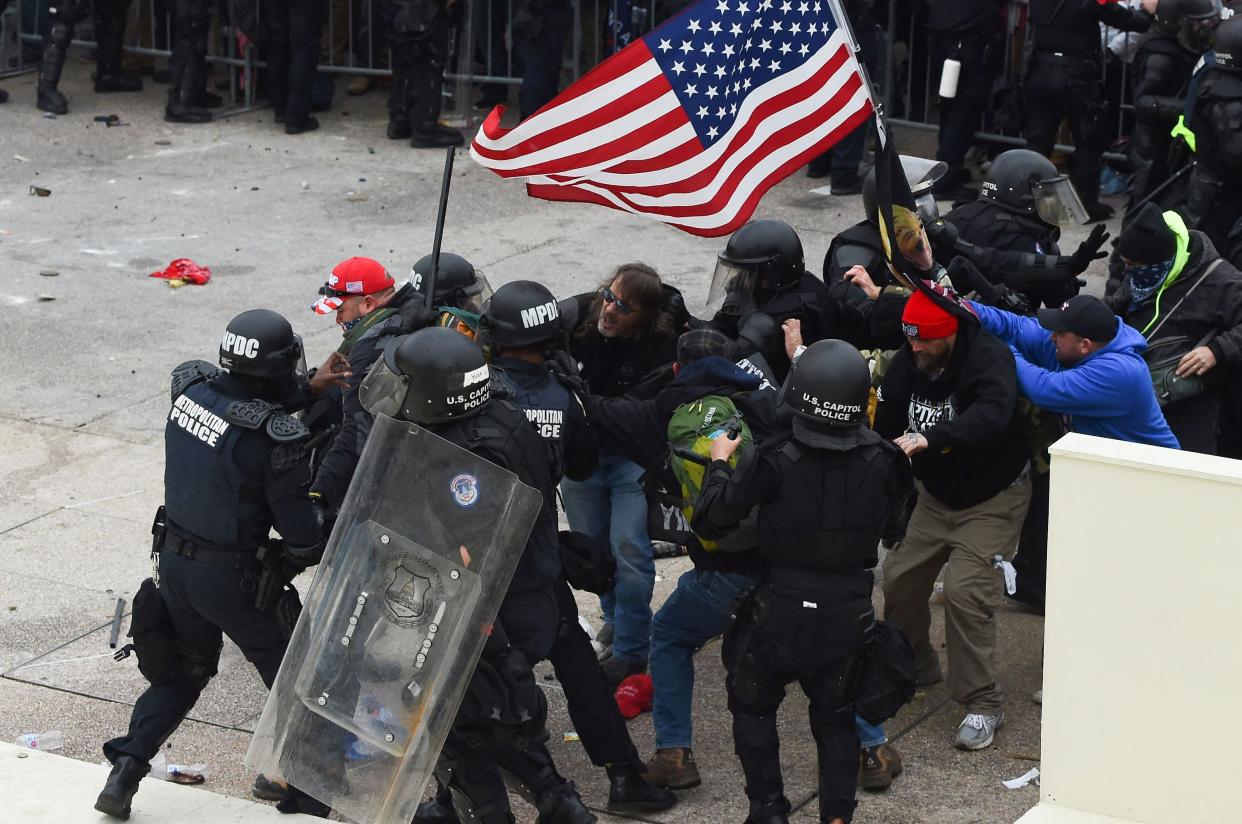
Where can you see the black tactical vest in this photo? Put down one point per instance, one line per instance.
(984, 224)
(832, 508)
(546, 403)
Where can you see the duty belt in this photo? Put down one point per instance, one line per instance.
(209, 555)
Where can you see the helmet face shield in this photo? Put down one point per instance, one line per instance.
(928, 209)
(475, 297)
(733, 287)
(1196, 33)
(1057, 202)
(383, 390)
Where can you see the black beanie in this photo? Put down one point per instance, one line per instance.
(1147, 238)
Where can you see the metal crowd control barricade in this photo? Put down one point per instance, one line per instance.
(11, 27)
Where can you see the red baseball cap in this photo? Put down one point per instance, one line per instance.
(356, 276)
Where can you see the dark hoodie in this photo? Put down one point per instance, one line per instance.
(640, 427)
(976, 446)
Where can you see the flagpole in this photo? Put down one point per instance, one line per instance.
(439, 236)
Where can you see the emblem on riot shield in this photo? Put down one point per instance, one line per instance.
(465, 488)
(411, 590)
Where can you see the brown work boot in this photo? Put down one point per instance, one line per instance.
(674, 769)
(880, 765)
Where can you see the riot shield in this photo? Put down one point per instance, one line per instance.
(393, 624)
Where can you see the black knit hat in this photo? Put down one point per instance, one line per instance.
(702, 343)
(1147, 238)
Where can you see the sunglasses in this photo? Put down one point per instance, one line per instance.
(611, 297)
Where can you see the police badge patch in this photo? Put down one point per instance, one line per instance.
(465, 489)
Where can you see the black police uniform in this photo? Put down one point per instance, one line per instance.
(1063, 82)
(292, 54)
(109, 20)
(848, 314)
(985, 224)
(1161, 69)
(1214, 204)
(419, 32)
(821, 515)
(971, 32)
(804, 299)
(235, 468)
(528, 619)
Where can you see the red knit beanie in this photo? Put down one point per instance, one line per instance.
(923, 318)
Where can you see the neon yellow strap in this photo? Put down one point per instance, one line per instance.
(1183, 131)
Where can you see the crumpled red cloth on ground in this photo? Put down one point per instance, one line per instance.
(634, 695)
(186, 271)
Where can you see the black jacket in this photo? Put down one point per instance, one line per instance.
(338, 465)
(1073, 26)
(1215, 306)
(969, 415)
(641, 427)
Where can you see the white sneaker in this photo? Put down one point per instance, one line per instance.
(1038, 697)
(976, 731)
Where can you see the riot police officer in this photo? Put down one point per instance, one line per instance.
(1162, 65)
(419, 34)
(447, 391)
(762, 271)
(826, 494)
(235, 468)
(1021, 206)
(1063, 82)
(188, 63)
(109, 38)
(522, 325)
(1215, 207)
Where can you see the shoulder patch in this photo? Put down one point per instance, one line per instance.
(283, 428)
(248, 414)
(190, 373)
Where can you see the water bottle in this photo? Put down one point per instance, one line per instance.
(51, 740)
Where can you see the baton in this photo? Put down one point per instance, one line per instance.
(116, 622)
(435, 244)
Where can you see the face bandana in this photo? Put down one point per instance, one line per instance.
(1146, 279)
(349, 324)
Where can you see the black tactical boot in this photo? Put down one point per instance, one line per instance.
(564, 806)
(300, 802)
(772, 809)
(48, 97)
(110, 41)
(629, 792)
(438, 810)
(435, 136)
(4, 96)
(122, 783)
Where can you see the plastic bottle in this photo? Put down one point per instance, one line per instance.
(50, 740)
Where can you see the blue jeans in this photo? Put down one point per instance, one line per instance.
(610, 507)
(869, 735)
(696, 612)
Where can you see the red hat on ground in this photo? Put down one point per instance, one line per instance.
(356, 276)
(635, 694)
(923, 318)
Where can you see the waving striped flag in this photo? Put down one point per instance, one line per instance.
(693, 123)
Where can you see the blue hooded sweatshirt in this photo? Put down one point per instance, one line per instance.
(1107, 394)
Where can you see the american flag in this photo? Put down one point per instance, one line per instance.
(694, 122)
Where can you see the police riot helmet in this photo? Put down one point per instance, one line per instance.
(444, 374)
(522, 313)
(1027, 183)
(458, 283)
(260, 343)
(829, 385)
(1193, 22)
(1228, 45)
(921, 174)
(769, 248)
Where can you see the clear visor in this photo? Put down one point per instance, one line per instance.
(1196, 35)
(1057, 202)
(382, 391)
(733, 288)
(477, 295)
(299, 368)
(928, 210)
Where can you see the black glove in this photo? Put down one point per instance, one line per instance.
(565, 369)
(1088, 251)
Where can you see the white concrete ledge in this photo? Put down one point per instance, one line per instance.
(1046, 814)
(44, 788)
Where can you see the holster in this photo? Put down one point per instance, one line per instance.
(159, 530)
(155, 641)
(886, 682)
